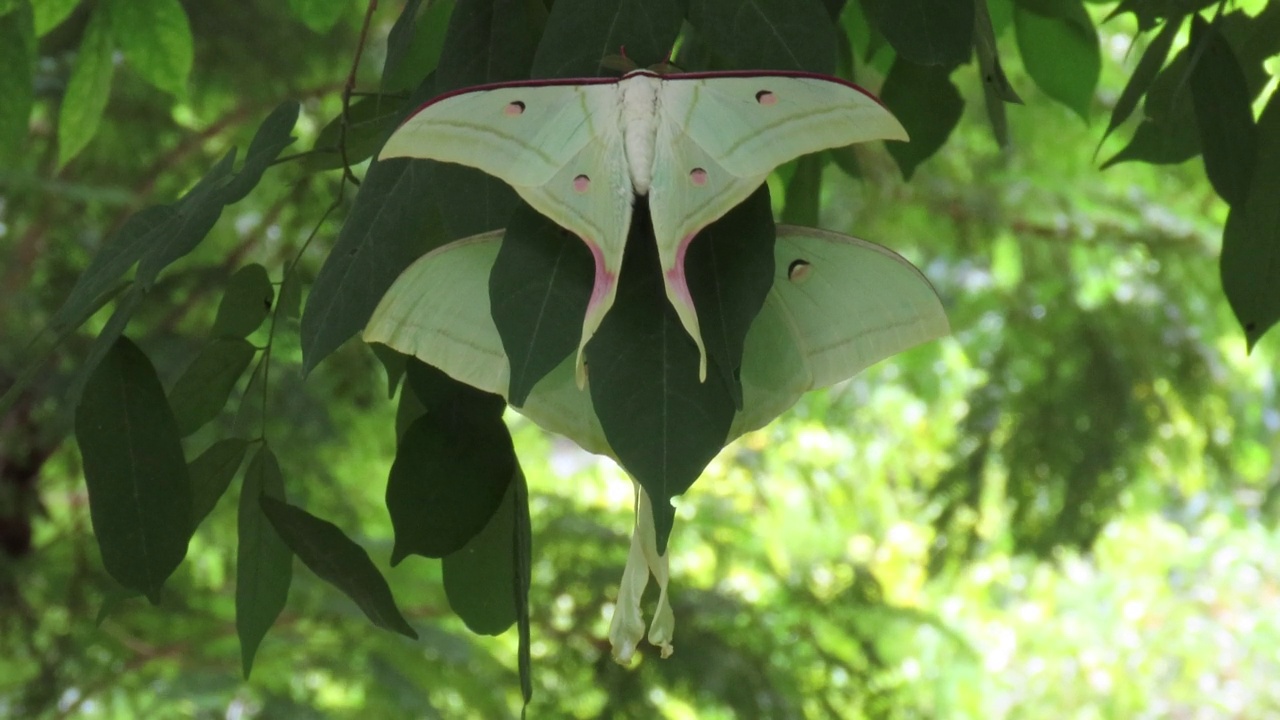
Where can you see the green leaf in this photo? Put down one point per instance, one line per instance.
(663, 423)
(926, 32)
(928, 106)
(290, 302)
(319, 15)
(470, 201)
(448, 478)
(1150, 12)
(1144, 74)
(139, 488)
(371, 120)
(442, 394)
(393, 363)
(323, 547)
(581, 33)
(804, 192)
(155, 37)
(389, 226)
(49, 14)
(1168, 133)
(492, 41)
(729, 268)
(1224, 117)
(245, 304)
(523, 549)
(996, 89)
(1250, 262)
(767, 34)
(414, 44)
(200, 393)
(17, 69)
(272, 136)
(88, 88)
(264, 564)
(1060, 50)
(211, 475)
(538, 291)
(480, 578)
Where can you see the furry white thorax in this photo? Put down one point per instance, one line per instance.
(639, 107)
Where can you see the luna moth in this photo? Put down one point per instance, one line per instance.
(579, 151)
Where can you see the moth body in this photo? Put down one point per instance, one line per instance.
(640, 95)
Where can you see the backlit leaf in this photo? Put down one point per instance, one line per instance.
(1060, 50)
(155, 37)
(320, 15)
(1223, 114)
(928, 106)
(480, 578)
(87, 89)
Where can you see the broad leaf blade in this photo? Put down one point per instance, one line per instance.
(155, 37)
(480, 579)
(772, 34)
(245, 303)
(663, 423)
(928, 106)
(323, 547)
(1144, 74)
(370, 120)
(264, 564)
(200, 393)
(272, 136)
(139, 488)
(1060, 50)
(87, 90)
(581, 33)
(17, 67)
(538, 291)
(211, 475)
(491, 41)
(926, 32)
(1224, 117)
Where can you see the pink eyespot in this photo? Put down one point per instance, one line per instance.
(581, 183)
(514, 108)
(764, 97)
(698, 177)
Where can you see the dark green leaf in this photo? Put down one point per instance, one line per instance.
(926, 32)
(538, 291)
(996, 89)
(1143, 75)
(264, 564)
(767, 34)
(272, 136)
(804, 192)
(139, 489)
(523, 549)
(186, 223)
(393, 363)
(470, 201)
(1223, 114)
(664, 424)
(582, 33)
(389, 226)
(320, 15)
(489, 41)
(1150, 12)
(155, 37)
(928, 106)
(440, 393)
(290, 301)
(1251, 241)
(323, 547)
(106, 339)
(414, 44)
(200, 393)
(480, 579)
(211, 475)
(371, 120)
(1060, 50)
(1168, 133)
(729, 269)
(448, 478)
(246, 302)
(17, 65)
(87, 89)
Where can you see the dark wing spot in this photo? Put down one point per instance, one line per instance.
(766, 97)
(798, 270)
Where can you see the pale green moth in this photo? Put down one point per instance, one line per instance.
(838, 305)
(579, 151)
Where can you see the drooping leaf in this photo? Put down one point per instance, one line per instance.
(443, 395)
(768, 34)
(50, 13)
(245, 303)
(580, 34)
(522, 546)
(271, 137)
(538, 292)
(155, 37)
(928, 106)
(926, 32)
(17, 67)
(729, 267)
(1223, 114)
(480, 578)
(1144, 74)
(662, 422)
(996, 89)
(211, 474)
(139, 488)
(264, 563)
(202, 390)
(388, 227)
(339, 561)
(1060, 50)
(450, 473)
(88, 88)
(370, 120)
(1250, 263)
(320, 15)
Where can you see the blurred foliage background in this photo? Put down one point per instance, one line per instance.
(1065, 509)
